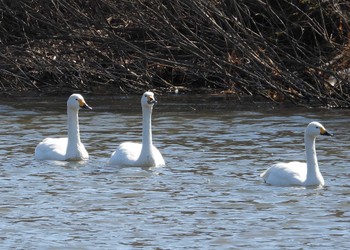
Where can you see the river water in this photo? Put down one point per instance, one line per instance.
(208, 196)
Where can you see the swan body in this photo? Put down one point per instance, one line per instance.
(70, 148)
(143, 154)
(299, 173)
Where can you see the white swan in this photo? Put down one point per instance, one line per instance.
(299, 173)
(65, 149)
(136, 154)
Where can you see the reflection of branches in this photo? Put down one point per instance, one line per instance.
(277, 49)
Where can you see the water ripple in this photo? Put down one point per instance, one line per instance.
(209, 196)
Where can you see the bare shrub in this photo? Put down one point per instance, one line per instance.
(279, 49)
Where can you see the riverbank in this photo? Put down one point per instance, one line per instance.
(285, 52)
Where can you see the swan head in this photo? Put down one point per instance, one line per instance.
(148, 99)
(315, 128)
(76, 102)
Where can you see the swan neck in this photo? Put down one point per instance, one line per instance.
(311, 157)
(73, 130)
(146, 156)
(146, 128)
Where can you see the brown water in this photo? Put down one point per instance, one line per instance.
(209, 196)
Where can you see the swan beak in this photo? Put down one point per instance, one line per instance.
(324, 132)
(151, 100)
(83, 105)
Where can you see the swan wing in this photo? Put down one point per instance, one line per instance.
(158, 158)
(51, 149)
(285, 174)
(126, 154)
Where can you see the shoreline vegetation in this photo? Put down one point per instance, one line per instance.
(276, 50)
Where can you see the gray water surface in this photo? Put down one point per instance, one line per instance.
(208, 196)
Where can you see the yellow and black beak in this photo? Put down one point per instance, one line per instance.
(323, 131)
(83, 105)
(151, 100)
